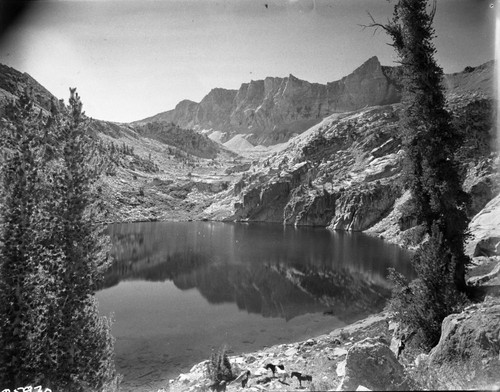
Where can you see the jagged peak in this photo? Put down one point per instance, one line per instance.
(372, 59)
(371, 63)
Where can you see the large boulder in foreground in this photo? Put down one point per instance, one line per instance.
(467, 355)
(371, 364)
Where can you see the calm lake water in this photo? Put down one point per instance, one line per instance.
(180, 289)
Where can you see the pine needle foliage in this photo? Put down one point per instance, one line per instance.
(430, 139)
(423, 303)
(52, 252)
(431, 143)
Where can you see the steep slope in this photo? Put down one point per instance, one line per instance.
(472, 79)
(274, 109)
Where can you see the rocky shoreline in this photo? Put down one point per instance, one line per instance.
(321, 357)
(326, 357)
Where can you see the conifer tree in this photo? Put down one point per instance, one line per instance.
(432, 174)
(430, 140)
(52, 255)
(20, 324)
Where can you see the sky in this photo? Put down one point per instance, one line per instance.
(131, 59)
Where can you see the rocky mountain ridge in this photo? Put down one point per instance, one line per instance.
(274, 109)
(343, 172)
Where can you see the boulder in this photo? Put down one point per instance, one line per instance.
(467, 355)
(489, 246)
(370, 363)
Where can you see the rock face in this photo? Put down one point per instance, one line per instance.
(361, 208)
(275, 108)
(482, 183)
(485, 227)
(467, 355)
(340, 173)
(309, 207)
(371, 363)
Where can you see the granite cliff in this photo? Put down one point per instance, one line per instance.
(274, 109)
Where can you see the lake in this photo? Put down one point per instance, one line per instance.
(178, 290)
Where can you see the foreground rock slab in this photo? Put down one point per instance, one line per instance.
(468, 353)
(371, 364)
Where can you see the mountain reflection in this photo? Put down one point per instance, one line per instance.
(270, 270)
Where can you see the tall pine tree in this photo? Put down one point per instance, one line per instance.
(20, 310)
(432, 175)
(52, 255)
(430, 139)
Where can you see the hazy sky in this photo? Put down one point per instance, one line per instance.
(133, 59)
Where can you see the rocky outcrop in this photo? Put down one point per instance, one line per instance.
(339, 174)
(370, 363)
(13, 83)
(276, 108)
(485, 228)
(472, 79)
(482, 183)
(266, 200)
(309, 207)
(358, 209)
(468, 353)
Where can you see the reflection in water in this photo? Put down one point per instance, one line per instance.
(272, 270)
(180, 289)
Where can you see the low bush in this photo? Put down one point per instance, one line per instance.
(218, 367)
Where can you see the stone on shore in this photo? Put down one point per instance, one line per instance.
(370, 363)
